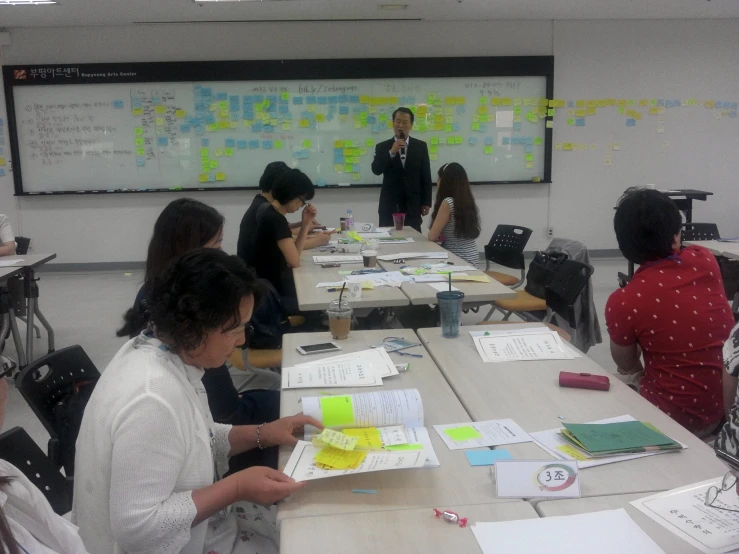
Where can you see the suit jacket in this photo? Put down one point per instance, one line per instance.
(407, 188)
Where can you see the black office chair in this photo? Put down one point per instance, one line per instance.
(506, 248)
(700, 231)
(564, 290)
(18, 448)
(21, 245)
(57, 387)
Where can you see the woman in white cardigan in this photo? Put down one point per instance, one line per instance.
(149, 455)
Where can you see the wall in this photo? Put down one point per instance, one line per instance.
(598, 59)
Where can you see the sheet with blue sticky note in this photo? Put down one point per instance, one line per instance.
(486, 457)
(580, 122)
(631, 123)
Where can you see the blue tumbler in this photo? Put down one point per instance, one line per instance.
(450, 311)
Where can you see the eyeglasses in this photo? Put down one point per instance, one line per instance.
(712, 493)
(302, 202)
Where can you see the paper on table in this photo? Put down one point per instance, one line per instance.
(9, 263)
(544, 345)
(374, 438)
(414, 255)
(366, 409)
(336, 259)
(683, 512)
(458, 436)
(552, 442)
(301, 465)
(382, 363)
(366, 285)
(441, 287)
(607, 532)
(505, 330)
(342, 373)
(388, 278)
(374, 235)
(435, 277)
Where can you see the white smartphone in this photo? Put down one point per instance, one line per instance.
(318, 348)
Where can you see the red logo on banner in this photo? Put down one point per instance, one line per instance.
(19, 74)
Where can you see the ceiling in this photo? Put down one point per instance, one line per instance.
(124, 12)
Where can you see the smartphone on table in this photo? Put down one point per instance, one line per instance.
(318, 348)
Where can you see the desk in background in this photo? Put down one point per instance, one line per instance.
(455, 483)
(529, 393)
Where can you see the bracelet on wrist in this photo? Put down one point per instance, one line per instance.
(259, 442)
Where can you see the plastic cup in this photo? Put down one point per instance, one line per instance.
(450, 312)
(399, 221)
(340, 319)
(342, 224)
(369, 257)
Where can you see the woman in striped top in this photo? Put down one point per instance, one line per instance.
(455, 220)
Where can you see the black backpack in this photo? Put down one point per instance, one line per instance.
(541, 271)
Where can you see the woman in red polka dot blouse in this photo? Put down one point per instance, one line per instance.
(674, 311)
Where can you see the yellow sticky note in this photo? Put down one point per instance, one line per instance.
(495, 101)
(337, 439)
(320, 118)
(220, 176)
(569, 450)
(580, 113)
(529, 165)
(203, 178)
(368, 438)
(558, 146)
(567, 146)
(338, 144)
(219, 152)
(223, 124)
(137, 111)
(616, 146)
(505, 101)
(333, 458)
(591, 111)
(516, 101)
(160, 109)
(644, 102)
(433, 156)
(463, 433)
(550, 124)
(286, 126)
(709, 104)
(159, 121)
(580, 103)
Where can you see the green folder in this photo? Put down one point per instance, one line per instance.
(627, 436)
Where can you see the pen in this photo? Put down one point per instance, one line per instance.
(408, 354)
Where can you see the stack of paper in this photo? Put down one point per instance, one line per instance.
(414, 255)
(515, 345)
(555, 443)
(386, 278)
(388, 422)
(337, 259)
(437, 268)
(365, 368)
(444, 278)
(607, 532)
(481, 433)
(609, 439)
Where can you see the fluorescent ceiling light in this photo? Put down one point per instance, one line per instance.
(25, 2)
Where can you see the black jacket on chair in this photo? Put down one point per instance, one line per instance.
(407, 188)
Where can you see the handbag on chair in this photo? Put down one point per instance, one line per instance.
(541, 271)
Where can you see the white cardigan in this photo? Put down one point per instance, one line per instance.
(147, 441)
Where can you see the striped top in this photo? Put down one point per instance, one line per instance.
(464, 248)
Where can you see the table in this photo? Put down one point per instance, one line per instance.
(31, 293)
(528, 392)
(406, 531)
(455, 483)
(669, 542)
(718, 248)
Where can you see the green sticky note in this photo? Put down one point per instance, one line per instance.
(278, 144)
(405, 447)
(488, 149)
(434, 140)
(570, 121)
(348, 168)
(538, 141)
(337, 411)
(529, 157)
(229, 151)
(214, 164)
(517, 110)
(450, 140)
(483, 100)
(139, 141)
(141, 152)
(285, 96)
(203, 152)
(458, 140)
(223, 105)
(475, 126)
(448, 128)
(306, 143)
(550, 112)
(369, 142)
(139, 131)
(462, 433)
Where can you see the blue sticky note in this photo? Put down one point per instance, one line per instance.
(297, 100)
(455, 127)
(241, 144)
(199, 130)
(631, 122)
(580, 122)
(184, 128)
(570, 103)
(206, 92)
(140, 162)
(229, 143)
(489, 141)
(210, 119)
(253, 144)
(284, 108)
(267, 144)
(333, 99)
(506, 140)
(344, 110)
(268, 129)
(204, 142)
(371, 120)
(322, 100)
(355, 168)
(117, 104)
(257, 127)
(343, 99)
(528, 148)
(156, 100)
(516, 126)
(221, 96)
(473, 140)
(162, 141)
(211, 177)
(732, 114)
(354, 99)
(321, 182)
(486, 457)
(2, 172)
(310, 99)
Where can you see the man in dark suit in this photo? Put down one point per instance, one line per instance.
(404, 165)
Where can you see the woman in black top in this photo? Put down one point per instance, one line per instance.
(276, 251)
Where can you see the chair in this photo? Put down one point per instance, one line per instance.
(564, 290)
(700, 231)
(21, 245)
(18, 448)
(506, 248)
(67, 370)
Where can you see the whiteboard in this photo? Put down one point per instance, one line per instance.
(220, 134)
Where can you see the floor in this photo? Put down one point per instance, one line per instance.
(86, 309)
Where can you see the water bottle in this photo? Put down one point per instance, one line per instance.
(349, 220)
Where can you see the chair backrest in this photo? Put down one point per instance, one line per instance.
(50, 391)
(18, 448)
(507, 244)
(700, 231)
(21, 245)
(566, 287)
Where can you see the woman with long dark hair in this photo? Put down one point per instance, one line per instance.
(455, 216)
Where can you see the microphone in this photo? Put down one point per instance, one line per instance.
(401, 136)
